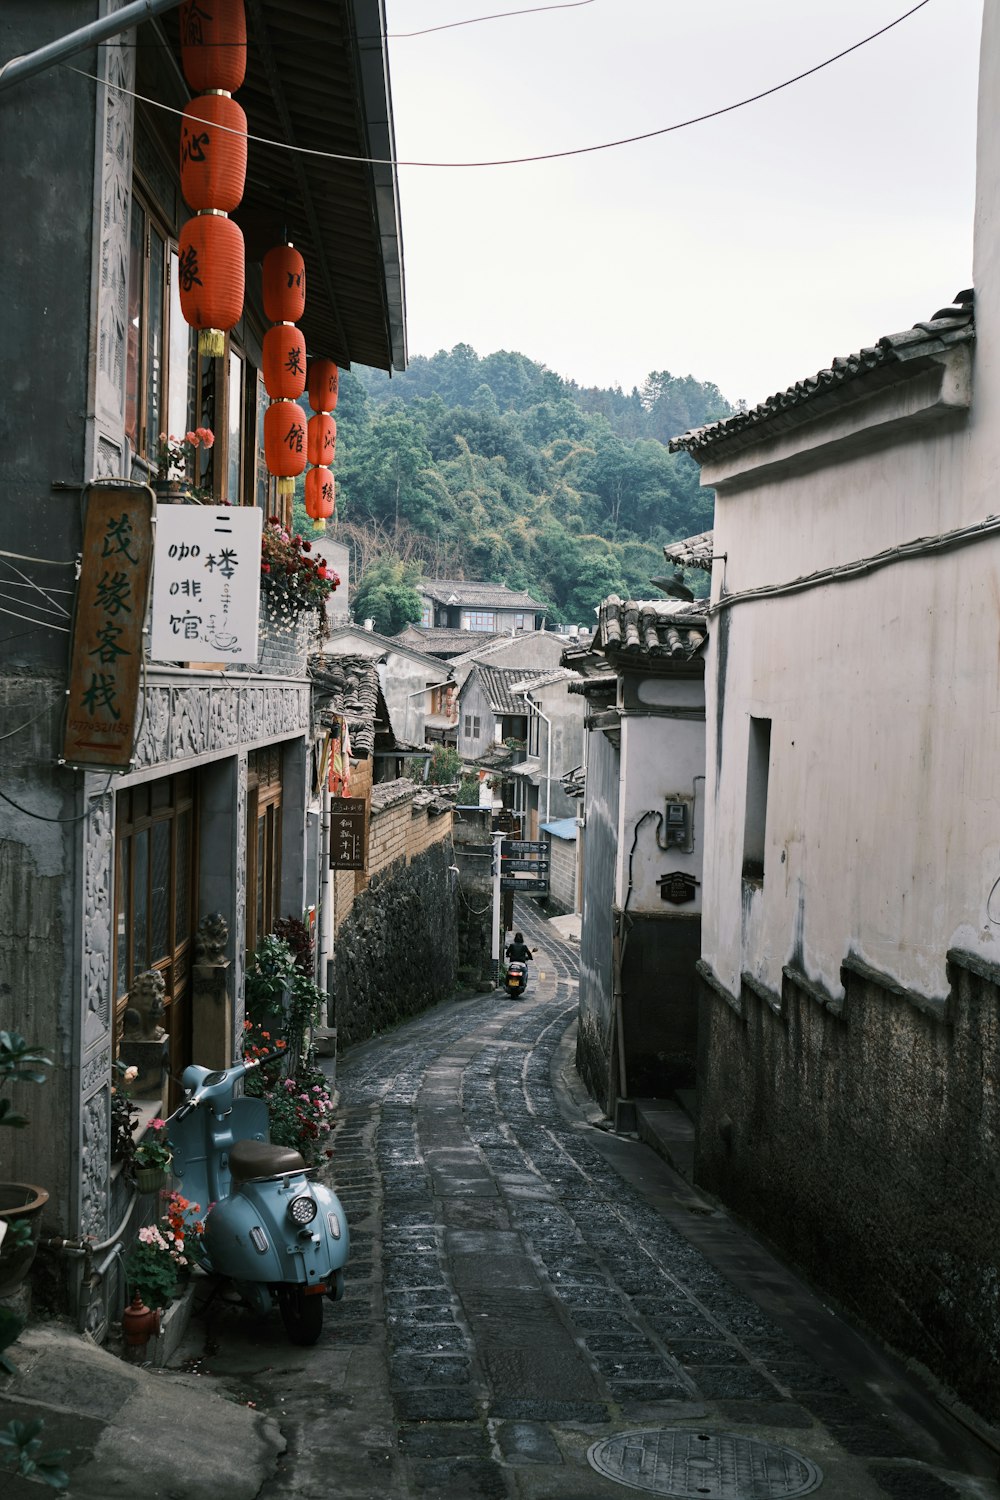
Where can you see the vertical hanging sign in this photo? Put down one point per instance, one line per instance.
(103, 691)
(348, 833)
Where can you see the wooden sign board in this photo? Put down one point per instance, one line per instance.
(106, 657)
(348, 833)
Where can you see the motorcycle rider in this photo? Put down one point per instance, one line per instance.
(518, 950)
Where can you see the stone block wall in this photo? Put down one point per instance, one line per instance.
(861, 1136)
(396, 951)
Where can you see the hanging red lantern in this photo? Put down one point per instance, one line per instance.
(213, 152)
(283, 282)
(324, 384)
(214, 44)
(322, 439)
(320, 496)
(284, 362)
(210, 259)
(285, 443)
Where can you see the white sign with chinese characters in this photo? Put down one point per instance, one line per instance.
(206, 583)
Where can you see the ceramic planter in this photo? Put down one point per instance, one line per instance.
(151, 1179)
(19, 1202)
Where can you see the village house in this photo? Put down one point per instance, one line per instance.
(850, 976)
(107, 874)
(642, 838)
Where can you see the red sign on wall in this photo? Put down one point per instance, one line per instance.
(111, 598)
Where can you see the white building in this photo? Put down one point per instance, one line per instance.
(851, 962)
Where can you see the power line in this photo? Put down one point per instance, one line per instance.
(517, 161)
(502, 15)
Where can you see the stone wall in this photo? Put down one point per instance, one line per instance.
(396, 951)
(861, 1136)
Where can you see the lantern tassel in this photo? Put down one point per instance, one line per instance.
(319, 525)
(286, 487)
(212, 343)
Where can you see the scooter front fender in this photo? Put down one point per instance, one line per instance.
(251, 1236)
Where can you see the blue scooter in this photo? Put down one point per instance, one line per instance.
(278, 1233)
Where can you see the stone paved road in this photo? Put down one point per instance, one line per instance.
(523, 1285)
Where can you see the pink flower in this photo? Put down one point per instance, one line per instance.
(207, 436)
(192, 438)
(157, 1124)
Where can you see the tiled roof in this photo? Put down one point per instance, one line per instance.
(354, 632)
(478, 595)
(532, 678)
(492, 645)
(442, 641)
(498, 683)
(892, 357)
(692, 552)
(348, 686)
(664, 628)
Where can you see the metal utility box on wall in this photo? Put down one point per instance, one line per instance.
(676, 823)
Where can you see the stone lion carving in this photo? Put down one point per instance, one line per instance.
(146, 1003)
(211, 939)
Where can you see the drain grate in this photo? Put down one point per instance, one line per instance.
(704, 1465)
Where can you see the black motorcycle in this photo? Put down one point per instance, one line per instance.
(516, 979)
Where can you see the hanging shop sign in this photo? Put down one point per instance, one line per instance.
(348, 833)
(102, 695)
(206, 583)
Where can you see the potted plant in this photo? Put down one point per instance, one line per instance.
(152, 1159)
(21, 1203)
(154, 1266)
(175, 460)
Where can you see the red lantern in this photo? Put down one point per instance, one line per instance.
(322, 439)
(213, 153)
(210, 269)
(285, 443)
(284, 284)
(284, 362)
(324, 384)
(320, 495)
(214, 44)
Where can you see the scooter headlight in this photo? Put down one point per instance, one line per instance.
(302, 1210)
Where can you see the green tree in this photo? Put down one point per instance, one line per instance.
(388, 593)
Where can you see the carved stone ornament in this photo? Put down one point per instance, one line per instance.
(181, 721)
(211, 939)
(145, 1001)
(99, 848)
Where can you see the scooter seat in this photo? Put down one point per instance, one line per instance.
(250, 1159)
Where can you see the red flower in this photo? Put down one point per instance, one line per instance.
(265, 567)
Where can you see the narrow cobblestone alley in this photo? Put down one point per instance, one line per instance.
(525, 1289)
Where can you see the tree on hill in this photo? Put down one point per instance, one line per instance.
(388, 593)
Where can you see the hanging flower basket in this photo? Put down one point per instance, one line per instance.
(152, 1179)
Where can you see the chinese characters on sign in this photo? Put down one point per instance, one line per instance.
(348, 833)
(103, 690)
(206, 583)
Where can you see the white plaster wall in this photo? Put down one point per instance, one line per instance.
(883, 835)
(660, 759)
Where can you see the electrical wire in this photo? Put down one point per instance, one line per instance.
(502, 15)
(27, 723)
(517, 161)
(97, 799)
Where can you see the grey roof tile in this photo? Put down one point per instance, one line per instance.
(664, 628)
(474, 593)
(949, 326)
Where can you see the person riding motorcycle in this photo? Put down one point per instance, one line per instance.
(518, 950)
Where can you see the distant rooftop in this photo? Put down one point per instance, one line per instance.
(663, 628)
(473, 593)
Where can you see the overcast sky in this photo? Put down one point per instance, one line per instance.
(748, 250)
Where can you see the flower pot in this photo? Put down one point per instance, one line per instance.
(19, 1202)
(151, 1179)
(172, 492)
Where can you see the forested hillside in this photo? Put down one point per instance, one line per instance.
(497, 468)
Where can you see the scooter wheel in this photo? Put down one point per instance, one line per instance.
(301, 1315)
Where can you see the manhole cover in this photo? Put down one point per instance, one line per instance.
(715, 1465)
